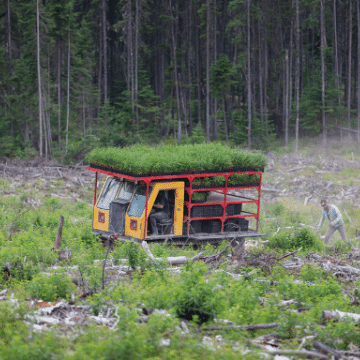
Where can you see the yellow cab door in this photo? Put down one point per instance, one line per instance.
(135, 217)
(102, 206)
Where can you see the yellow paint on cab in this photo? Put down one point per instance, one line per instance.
(140, 232)
(96, 224)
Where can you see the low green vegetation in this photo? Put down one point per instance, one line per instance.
(219, 181)
(292, 240)
(199, 196)
(201, 295)
(141, 159)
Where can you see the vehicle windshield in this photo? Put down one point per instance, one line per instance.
(126, 191)
(137, 206)
(110, 189)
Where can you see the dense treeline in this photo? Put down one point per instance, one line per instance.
(119, 72)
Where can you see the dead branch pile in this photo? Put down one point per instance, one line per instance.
(307, 187)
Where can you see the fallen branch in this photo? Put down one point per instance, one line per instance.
(241, 327)
(215, 257)
(349, 353)
(307, 198)
(196, 256)
(326, 349)
(338, 315)
(289, 254)
(145, 246)
(300, 353)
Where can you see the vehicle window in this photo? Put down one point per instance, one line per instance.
(126, 190)
(137, 205)
(108, 194)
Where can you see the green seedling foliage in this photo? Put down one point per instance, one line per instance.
(140, 159)
(339, 335)
(50, 288)
(34, 346)
(308, 294)
(288, 240)
(340, 246)
(200, 195)
(195, 298)
(11, 323)
(135, 254)
(312, 273)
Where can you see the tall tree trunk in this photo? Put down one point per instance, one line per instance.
(358, 67)
(297, 72)
(225, 122)
(336, 64)
(198, 66)
(100, 80)
(265, 70)
(48, 124)
(84, 116)
(214, 117)
(322, 60)
(9, 36)
(68, 97)
(105, 61)
(58, 43)
(349, 65)
(39, 78)
(286, 105)
(129, 86)
(176, 74)
(132, 76)
(189, 67)
(207, 70)
(290, 67)
(9, 58)
(136, 62)
(248, 76)
(261, 90)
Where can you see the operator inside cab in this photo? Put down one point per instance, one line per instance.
(160, 212)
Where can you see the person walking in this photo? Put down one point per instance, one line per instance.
(334, 218)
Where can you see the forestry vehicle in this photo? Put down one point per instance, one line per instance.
(209, 201)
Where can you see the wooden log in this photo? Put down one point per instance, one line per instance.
(289, 254)
(289, 352)
(178, 260)
(145, 246)
(301, 353)
(349, 353)
(339, 315)
(59, 233)
(65, 254)
(241, 327)
(326, 349)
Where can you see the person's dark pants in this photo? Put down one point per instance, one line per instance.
(155, 218)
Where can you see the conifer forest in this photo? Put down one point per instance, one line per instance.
(77, 74)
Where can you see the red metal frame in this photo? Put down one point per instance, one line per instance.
(190, 177)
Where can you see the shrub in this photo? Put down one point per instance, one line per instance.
(134, 254)
(300, 238)
(195, 298)
(51, 288)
